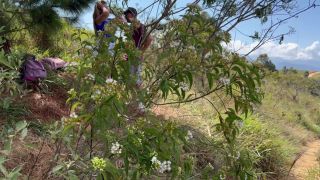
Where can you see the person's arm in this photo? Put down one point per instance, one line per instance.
(147, 43)
(101, 17)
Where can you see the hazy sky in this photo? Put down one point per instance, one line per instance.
(302, 47)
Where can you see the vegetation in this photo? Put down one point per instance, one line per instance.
(242, 132)
(265, 62)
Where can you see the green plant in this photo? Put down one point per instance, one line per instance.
(8, 136)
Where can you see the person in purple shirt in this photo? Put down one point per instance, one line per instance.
(142, 43)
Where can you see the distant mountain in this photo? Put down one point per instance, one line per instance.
(310, 65)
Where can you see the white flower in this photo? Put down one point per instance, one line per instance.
(96, 94)
(222, 177)
(184, 87)
(155, 162)
(116, 148)
(95, 53)
(111, 81)
(71, 91)
(238, 155)
(189, 136)
(73, 115)
(224, 81)
(210, 166)
(141, 107)
(165, 167)
(90, 77)
(162, 167)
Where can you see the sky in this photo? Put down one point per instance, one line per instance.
(300, 50)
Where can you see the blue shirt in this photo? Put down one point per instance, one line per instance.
(100, 27)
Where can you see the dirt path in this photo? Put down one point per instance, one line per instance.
(307, 161)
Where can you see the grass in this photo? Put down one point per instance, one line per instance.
(277, 130)
(272, 135)
(313, 173)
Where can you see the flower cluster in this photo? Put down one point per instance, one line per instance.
(165, 167)
(98, 163)
(162, 167)
(189, 136)
(90, 77)
(73, 115)
(71, 91)
(184, 87)
(225, 81)
(95, 53)
(116, 148)
(111, 81)
(96, 94)
(141, 107)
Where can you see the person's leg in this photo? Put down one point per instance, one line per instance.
(137, 107)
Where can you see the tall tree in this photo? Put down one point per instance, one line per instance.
(264, 61)
(40, 18)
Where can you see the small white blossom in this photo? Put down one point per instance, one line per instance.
(189, 136)
(95, 53)
(73, 64)
(116, 148)
(96, 94)
(155, 161)
(222, 177)
(73, 115)
(224, 81)
(141, 107)
(162, 167)
(111, 81)
(90, 77)
(238, 155)
(210, 166)
(184, 87)
(71, 91)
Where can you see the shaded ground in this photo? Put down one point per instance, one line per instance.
(36, 152)
(46, 107)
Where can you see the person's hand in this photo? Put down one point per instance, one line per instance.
(122, 19)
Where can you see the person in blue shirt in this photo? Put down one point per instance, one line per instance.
(101, 20)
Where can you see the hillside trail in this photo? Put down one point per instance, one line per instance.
(307, 161)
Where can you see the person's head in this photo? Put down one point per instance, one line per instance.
(130, 14)
(98, 8)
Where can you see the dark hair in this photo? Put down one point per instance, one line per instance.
(132, 11)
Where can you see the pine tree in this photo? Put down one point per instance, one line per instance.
(42, 18)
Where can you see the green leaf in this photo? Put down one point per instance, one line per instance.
(210, 80)
(74, 106)
(3, 170)
(21, 125)
(190, 78)
(56, 168)
(24, 133)
(15, 173)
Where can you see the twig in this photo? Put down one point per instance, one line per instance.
(35, 162)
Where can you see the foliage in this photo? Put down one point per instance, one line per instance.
(8, 135)
(264, 61)
(104, 137)
(40, 18)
